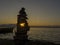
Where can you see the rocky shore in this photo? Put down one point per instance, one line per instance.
(29, 42)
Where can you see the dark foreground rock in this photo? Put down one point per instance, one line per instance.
(6, 30)
(29, 42)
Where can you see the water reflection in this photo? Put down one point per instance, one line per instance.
(50, 34)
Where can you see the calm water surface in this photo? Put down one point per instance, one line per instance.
(49, 34)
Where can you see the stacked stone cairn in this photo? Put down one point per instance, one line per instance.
(21, 36)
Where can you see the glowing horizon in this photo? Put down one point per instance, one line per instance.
(39, 12)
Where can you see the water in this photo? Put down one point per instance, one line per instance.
(48, 34)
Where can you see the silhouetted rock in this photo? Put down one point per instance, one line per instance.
(21, 36)
(28, 42)
(6, 30)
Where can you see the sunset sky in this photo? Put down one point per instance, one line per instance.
(39, 12)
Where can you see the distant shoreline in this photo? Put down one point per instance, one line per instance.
(45, 26)
(13, 25)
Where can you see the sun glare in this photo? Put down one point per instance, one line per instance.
(22, 24)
